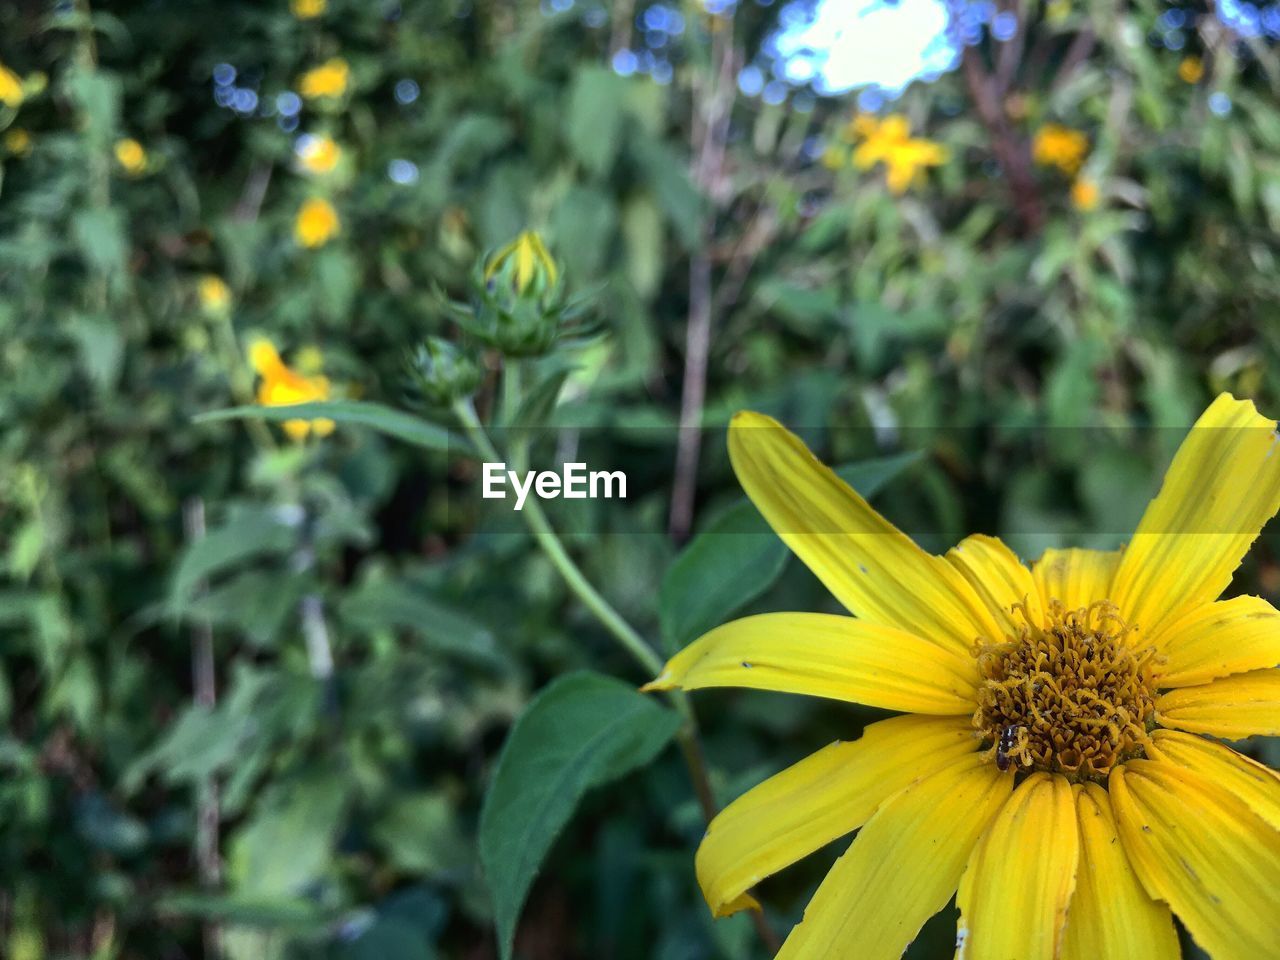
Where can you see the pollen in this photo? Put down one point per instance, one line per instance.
(1073, 695)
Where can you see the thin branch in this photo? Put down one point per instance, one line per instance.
(1011, 154)
(205, 695)
(712, 110)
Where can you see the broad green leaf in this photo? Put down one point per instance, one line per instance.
(582, 731)
(304, 820)
(738, 557)
(249, 534)
(595, 112)
(394, 423)
(383, 602)
(421, 835)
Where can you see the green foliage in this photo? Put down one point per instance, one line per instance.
(256, 688)
(584, 730)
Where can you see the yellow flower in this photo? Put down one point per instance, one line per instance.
(318, 154)
(1084, 194)
(317, 223)
(282, 387)
(889, 141)
(1049, 769)
(131, 156)
(1191, 69)
(215, 295)
(11, 94)
(530, 259)
(308, 9)
(17, 142)
(1058, 146)
(327, 80)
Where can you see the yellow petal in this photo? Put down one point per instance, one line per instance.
(824, 655)
(1217, 639)
(1233, 707)
(902, 868)
(297, 429)
(870, 566)
(1256, 785)
(1014, 894)
(1000, 579)
(1075, 577)
(819, 799)
(1193, 844)
(1222, 487)
(1111, 915)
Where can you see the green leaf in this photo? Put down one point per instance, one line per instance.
(304, 820)
(724, 568)
(582, 731)
(246, 535)
(738, 557)
(383, 602)
(394, 423)
(595, 112)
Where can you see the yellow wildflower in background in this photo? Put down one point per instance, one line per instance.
(1084, 194)
(282, 387)
(889, 141)
(1190, 70)
(11, 94)
(131, 156)
(327, 80)
(1058, 146)
(17, 142)
(215, 295)
(531, 259)
(1053, 768)
(317, 223)
(308, 9)
(318, 154)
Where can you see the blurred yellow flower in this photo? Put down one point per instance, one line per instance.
(889, 141)
(308, 9)
(318, 154)
(17, 142)
(131, 157)
(11, 94)
(1190, 70)
(531, 259)
(317, 223)
(282, 387)
(327, 80)
(1058, 146)
(1057, 11)
(1084, 194)
(215, 295)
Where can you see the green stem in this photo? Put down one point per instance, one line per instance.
(551, 545)
(622, 631)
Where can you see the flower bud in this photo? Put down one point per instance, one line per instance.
(441, 372)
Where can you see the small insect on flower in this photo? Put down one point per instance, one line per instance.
(1007, 745)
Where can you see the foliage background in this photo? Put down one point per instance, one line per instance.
(181, 775)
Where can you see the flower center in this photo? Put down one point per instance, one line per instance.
(1071, 696)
